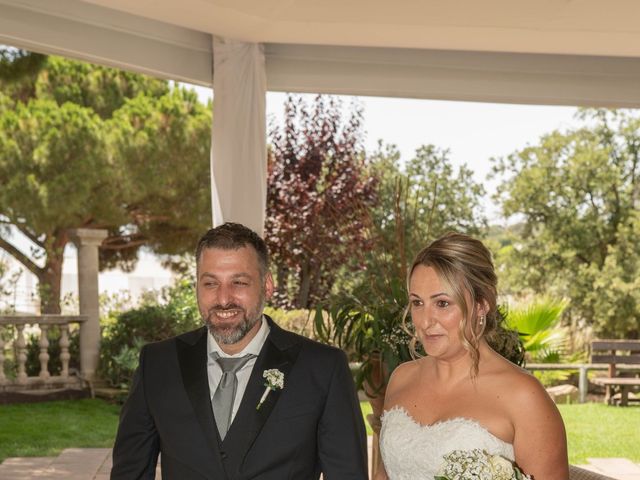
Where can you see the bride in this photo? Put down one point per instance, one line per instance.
(463, 395)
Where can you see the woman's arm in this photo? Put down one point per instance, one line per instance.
(540, 441)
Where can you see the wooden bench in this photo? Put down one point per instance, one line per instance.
(616, 352)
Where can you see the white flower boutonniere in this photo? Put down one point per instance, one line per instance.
(274, 380)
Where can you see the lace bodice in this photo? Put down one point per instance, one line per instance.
(412, 451)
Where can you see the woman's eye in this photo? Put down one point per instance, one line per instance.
(442, 303)
(416, 303)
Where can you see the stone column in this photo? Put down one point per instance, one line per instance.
(87, 241)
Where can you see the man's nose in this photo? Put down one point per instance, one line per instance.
(225, 295)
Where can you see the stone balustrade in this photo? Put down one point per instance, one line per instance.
(19, 380)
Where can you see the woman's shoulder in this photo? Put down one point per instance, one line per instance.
(514, 383)
(520, 390)
(409, 370)
(404, 375)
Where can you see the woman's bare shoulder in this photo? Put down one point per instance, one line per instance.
(523, 393)
(513, 383)
(403, 377)
(405, 372)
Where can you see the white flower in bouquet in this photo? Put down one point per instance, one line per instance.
(477, 465)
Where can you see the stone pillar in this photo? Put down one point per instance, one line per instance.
(87, 241)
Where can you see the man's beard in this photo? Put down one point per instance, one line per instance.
(230, 335)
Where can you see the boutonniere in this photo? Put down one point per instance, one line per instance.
(274, 380)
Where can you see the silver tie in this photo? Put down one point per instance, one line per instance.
(225, 395)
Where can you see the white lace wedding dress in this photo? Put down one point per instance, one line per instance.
(412, 451)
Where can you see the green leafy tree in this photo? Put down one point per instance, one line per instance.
(578, 195)
(95, 147)
(18, 71)
(417, 202)
(163, 143)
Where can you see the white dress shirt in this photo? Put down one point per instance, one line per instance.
(215, 371)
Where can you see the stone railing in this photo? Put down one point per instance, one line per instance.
(44, 380)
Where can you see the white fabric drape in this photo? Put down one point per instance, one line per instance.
(239, 148)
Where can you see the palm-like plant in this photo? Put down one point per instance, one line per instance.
(538, 323)
(368, 325)
(543, 338)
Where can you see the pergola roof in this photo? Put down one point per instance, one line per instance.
(581, 52)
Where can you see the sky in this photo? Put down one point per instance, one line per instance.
(472, 132)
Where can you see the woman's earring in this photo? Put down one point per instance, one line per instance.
(481, 321)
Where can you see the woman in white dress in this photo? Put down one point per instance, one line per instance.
(463, 395)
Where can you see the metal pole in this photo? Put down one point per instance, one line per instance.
(583, 385)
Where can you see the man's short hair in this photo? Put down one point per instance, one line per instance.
(232, 236)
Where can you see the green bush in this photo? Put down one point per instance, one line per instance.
(298, 321)
(124, 333)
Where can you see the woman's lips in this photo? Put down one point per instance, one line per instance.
(433, 337)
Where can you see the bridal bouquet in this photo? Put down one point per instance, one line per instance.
(478, 465)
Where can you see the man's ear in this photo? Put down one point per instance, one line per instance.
(268, 285)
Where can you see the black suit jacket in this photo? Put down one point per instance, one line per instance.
(312, 425)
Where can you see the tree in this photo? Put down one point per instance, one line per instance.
(18, 71)
(417, 202)
(578, 194)
(95, 147)
(318, 192)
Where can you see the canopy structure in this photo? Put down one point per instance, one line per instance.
(579, 52)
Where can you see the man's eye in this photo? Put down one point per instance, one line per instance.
(241, 284)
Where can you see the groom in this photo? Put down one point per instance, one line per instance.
(200, 399)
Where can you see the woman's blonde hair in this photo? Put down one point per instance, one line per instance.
(463, 264)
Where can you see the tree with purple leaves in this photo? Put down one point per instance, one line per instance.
(320, 188)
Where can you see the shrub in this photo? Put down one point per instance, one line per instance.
(298, 321)
(124, 333)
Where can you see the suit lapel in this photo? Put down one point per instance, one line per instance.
(192, 357)
(279, 351)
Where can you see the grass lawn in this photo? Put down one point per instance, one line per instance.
(45, 429)
(41, 429)
(599, 430)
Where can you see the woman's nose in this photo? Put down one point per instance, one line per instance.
(423, 320)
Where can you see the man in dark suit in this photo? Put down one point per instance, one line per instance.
(203, 399)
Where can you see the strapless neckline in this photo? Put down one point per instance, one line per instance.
(415, 451)
(444, 421)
